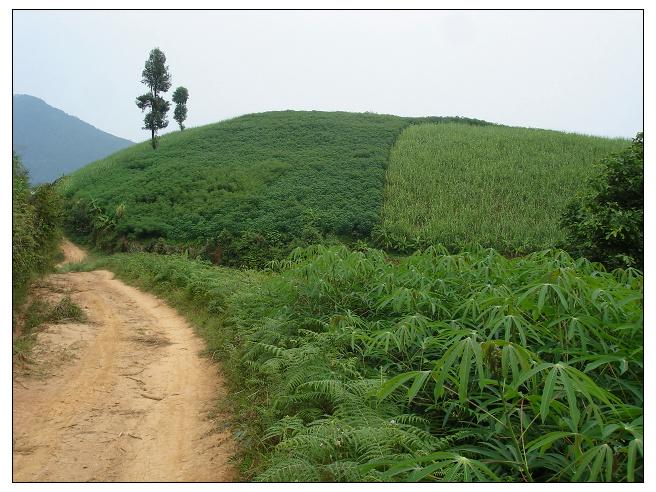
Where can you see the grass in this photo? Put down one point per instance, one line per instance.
(497, 186)
(66, 311)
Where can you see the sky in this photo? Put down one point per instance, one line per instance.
(578, 71)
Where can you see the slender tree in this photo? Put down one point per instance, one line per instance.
(158, 79)
(180, 97)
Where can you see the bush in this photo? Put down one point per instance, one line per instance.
(36, 230)
(443, 367)
(605, 223)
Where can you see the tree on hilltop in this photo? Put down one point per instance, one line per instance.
(158, 79)
(180, 97)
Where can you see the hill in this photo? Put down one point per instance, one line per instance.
(52, 143)
(248, 190)
(502, 187)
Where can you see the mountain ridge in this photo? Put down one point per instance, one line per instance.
(53, 143)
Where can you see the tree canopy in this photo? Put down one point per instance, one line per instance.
(180, 97)
(606, 222)
(158, 79)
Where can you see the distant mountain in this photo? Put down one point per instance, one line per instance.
(52, 143)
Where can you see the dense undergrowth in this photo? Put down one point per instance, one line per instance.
(605, 220)
(352, 367)
(498, 186)
(36, 231)
(243, 191)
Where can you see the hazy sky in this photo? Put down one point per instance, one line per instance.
(574, 71)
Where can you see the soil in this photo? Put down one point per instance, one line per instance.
(124, 396)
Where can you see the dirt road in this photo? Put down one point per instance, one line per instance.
(122, 397)
(72, 254)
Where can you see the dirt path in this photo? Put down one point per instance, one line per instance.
(122, 397)
(72, 254)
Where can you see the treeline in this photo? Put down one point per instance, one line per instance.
(36, 230)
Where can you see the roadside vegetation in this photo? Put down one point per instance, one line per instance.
(501, 187)
(37, 313)
(36, 231)
(347, 366)
(605, 221)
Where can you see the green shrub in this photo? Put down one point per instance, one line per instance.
(36, 230)
(605, 222)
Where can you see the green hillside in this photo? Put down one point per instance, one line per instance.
(250, 189)
(282, 175)
(499, 186)
(256, 185)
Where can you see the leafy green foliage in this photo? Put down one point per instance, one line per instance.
(36, 230)
(497, 186)
(446, 367)
(467, 367)
(248, 189)
(180, 98)
(157, 78)
(606, 221)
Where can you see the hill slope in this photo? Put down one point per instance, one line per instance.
(52, 143)
(248, 190)
(259, 183)
(499, 186)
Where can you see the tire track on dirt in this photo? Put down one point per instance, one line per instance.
(131, 403)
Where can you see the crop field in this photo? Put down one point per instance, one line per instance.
(284, 175)
(437, 367)
(258, 185)
(318, 292)
(497, 186)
